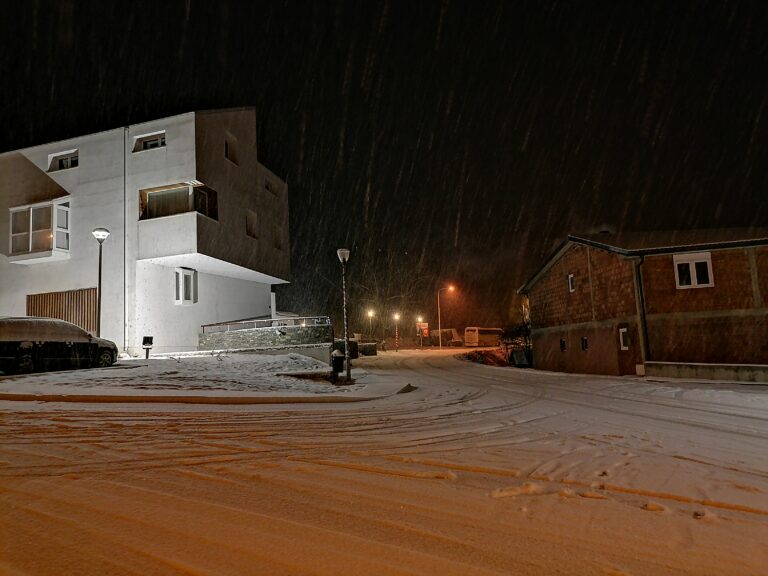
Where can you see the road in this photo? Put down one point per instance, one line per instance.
(479, 470)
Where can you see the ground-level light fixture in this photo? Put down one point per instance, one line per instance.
(100, 234)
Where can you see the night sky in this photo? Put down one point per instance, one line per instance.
(439, 141)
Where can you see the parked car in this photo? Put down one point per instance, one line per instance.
(30, 344)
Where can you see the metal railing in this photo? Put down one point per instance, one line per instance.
(265, 323)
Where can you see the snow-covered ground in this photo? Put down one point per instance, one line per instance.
(480, 470)
(223, 375)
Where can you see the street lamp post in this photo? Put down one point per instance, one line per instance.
(100, 234)
(439, 323)
(397, 330)
(370, 323)
(421, 333)
(343, 255)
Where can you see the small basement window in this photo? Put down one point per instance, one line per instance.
(571, 283)
(584, 343)
(149, 141)
(186, 286)
(624, 338)
(63, 160)
(693, 270)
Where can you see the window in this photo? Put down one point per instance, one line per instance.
(230, 149)
(251, 224)
(571, 283)
(63, 160)
(149, 141)
(693, 270)
(624, 338)
(182, 198)
(186, 286)
(39, 228)
(584, 343)
(562, 344)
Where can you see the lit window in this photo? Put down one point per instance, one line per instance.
(624, 338)
(178, 200)
(693, 270)
(571, 283)
(63, 160)
(149, 141)
(185, 286)
(251, 224)
(39, 228)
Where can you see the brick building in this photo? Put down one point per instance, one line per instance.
(609, 303)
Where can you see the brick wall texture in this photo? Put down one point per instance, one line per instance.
(724, 323)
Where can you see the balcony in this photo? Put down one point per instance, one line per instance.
(185, 241)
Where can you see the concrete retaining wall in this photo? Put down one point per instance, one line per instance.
(734, 372)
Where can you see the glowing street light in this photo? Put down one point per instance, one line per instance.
(343, 255)
(449, 288)
(100, 234)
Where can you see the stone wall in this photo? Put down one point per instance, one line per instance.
(268, 337)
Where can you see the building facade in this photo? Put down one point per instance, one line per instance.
(607, 304)
(198, 229)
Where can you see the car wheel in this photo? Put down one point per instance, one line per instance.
(105, 359)
(25, 364)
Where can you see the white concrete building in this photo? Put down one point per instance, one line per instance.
(199, 229)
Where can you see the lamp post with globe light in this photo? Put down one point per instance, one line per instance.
(100, 234)
(439, 323)
(343, 254)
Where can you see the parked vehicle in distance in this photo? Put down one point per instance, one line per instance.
(29, 344)
(474, 336)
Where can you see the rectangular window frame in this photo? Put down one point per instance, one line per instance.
(149, 141)
(571, 283)
(185, 287)
(690, 260)
(252, 224)
(64, 160)
(194, 197)
(584, 343)
(624, 338)
(56, 235)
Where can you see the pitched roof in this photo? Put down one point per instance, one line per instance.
(656, 242)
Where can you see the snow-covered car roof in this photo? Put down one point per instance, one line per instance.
(24, 328)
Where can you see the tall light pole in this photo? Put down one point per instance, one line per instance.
(439, 324)
(343, 255)
(419, 319)
(100, 234)
(397, 330)
(370, 323)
